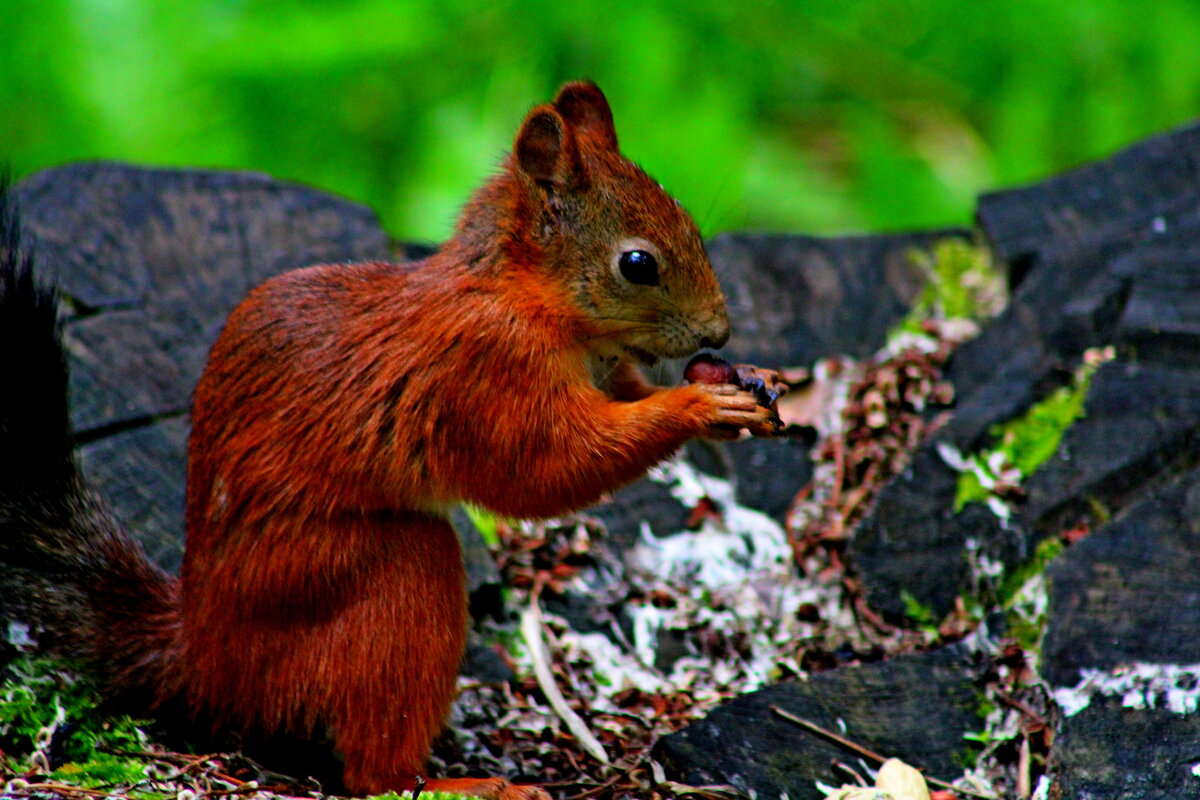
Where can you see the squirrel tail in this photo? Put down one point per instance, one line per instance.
(70, 577)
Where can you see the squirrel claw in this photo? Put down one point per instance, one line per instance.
(766, 384)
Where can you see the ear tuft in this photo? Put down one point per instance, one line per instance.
(585, 108)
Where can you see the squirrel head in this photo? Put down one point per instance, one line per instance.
(630, 257)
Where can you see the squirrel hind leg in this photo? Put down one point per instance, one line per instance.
(488, 788)
(391, 675)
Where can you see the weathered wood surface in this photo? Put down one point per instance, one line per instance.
(917, 706)
(1106, 255)
(796, 299)
(1125, 272)
(1136, 195)
(1129, 592)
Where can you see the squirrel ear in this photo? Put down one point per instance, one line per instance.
(544, 148)
(585, 107)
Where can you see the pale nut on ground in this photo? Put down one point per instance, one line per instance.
(894, 781)
(901, 781)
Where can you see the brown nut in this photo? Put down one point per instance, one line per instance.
(707, 368)
(765, 384)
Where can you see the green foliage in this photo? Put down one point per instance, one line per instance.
(970, 488)
(485, 522)
(983, 737)
(962, 283)
(799, 115)
(100, 769)
(1046, 551)
(1027, 620)
(920, 613)
(1024, 444)
(40, 698)
(1023, 596)
(1030, 440)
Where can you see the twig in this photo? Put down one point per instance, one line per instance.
(862, 751)
(717, 792)
(854, 773)
(531, 630)
(67, 789)
(1024, 781)
(828, 734)
(608, 784)
(182, 763)
(1024, 708)
(863, 610)
(838, 442)
(186, 763)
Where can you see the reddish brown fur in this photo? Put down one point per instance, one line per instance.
(346, 408)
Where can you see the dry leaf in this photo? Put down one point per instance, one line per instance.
(901, 781)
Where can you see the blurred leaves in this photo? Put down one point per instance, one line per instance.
(798, 116)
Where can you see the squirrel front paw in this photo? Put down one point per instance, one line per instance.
(734, 410)
(766, 384)
(763, 386)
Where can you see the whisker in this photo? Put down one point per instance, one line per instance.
(610, 372)
(617, 333)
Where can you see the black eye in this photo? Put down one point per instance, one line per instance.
(638, 266)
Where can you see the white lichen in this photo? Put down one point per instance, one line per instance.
(733, 576)
(1139, 685)
(18, 635)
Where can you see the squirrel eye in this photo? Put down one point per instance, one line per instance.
(638, 266)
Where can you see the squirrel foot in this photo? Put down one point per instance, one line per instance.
(487, 788)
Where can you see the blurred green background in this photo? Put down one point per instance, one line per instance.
(788, 116)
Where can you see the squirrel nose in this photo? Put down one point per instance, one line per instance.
(717, 335)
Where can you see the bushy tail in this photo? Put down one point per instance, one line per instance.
(67, 570)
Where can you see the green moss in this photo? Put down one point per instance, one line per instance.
(919, 612)
(1032, 439)
(1026, 617)
(1101, 513)
(1046, 551)
(41, 698)
(961, 283)
(970, 488)
(1022, 595)
(1024, 444)
(101, 769)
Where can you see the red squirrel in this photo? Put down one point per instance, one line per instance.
(344, 410)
